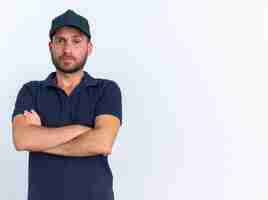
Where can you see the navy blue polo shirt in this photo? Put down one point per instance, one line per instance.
(53, 177)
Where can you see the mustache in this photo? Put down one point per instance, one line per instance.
(67, 57)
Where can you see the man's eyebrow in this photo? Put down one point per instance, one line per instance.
(77, 36)
(59, 37)
(73, 36)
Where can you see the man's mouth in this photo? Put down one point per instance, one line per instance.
(67, 58)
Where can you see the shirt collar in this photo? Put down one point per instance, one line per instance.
(87, 80)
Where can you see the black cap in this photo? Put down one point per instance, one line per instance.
(70, 18)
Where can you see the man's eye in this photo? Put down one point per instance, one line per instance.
(77, 41)
(59, 41)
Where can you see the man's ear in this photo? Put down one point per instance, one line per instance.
(50, 46)
(90, 48)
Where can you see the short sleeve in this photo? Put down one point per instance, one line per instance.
(110, 101)
(24, 101)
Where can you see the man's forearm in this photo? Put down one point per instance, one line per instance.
(38, 138)
(90, 143)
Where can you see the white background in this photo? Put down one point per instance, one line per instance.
(193, 76)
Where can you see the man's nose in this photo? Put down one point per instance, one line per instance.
(67, 47)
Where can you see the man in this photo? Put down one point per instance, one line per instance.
(68, 122)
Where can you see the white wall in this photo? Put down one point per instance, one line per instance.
(194, 81)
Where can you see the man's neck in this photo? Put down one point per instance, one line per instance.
(68, 82)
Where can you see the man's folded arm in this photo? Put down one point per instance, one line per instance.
(96, 141)
(30, 137)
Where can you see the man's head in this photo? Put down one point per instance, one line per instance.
(70, 42)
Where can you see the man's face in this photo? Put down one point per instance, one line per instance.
(69, 49)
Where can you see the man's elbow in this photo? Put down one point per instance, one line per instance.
(22, 144)
(106, 149)
(19, 145)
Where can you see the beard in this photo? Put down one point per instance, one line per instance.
(60, 65)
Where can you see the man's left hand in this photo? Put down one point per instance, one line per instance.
(32, 118)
